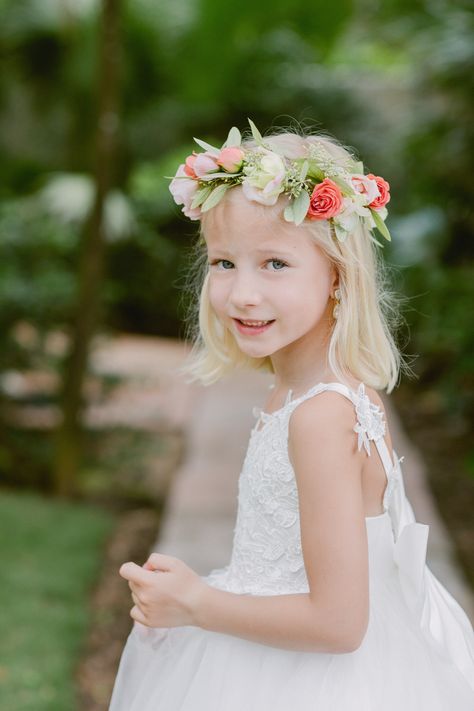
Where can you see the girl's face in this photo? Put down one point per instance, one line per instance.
(267, 271)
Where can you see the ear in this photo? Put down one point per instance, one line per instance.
(334, 279)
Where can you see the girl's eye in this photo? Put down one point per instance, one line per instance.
(278, 261)
(218, 261)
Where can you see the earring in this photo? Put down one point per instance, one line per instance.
(337, 296)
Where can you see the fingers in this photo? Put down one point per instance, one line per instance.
(137, 614)
(159, 561)
(132, 571)
(140, 575)
(135, 587)
(135, 599)
(156, 562)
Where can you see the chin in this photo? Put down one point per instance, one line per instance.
(260, 354)
(255, 352)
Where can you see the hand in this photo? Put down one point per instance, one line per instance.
(166, 591)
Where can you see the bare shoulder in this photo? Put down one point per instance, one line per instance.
(331, 416)
(327, 419)
(323, 406)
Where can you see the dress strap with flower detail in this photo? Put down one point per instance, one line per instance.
(370, 426)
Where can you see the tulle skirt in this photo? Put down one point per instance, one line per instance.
(191, 669)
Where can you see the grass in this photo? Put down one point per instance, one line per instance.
(50, 554)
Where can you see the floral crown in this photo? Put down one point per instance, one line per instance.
(317, 186)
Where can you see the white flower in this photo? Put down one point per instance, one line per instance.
(265, 181)
(365, 187)
(348, 217)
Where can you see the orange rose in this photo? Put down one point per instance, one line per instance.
(384, 196)
(325, 202)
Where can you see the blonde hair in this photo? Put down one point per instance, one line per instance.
(361, 342)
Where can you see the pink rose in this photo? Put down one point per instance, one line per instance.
(365, 186)
(326, 201)
(231, 159)
(384, 196)
(204, 163)
(183, 190)
(189, 165)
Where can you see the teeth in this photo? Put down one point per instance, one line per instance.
(254, 323)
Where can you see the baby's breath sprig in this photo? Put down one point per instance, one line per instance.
(296, 180)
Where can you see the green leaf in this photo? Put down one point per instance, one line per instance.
(215, 197)
(314, 171)
(380, 224)
(201, 195)
(300, 207)
(304, 170)
(289, 214)
(207, 147)
(234, 139)
(256, 133)
(342, 185)
(211, 176)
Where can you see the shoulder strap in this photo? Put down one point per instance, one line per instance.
(370, 421)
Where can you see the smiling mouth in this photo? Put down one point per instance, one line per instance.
(253, 323)
(249, 327)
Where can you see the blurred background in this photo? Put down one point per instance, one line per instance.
(99, 101)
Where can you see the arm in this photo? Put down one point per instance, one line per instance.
(284, 621)
(333, 616)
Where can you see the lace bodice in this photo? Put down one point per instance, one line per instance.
(267, 555)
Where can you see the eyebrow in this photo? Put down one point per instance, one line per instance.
(266, 250)
(273, 250)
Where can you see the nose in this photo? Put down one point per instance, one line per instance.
(244, 291)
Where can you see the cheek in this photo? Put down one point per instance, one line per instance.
(309, 301)
(217, 295)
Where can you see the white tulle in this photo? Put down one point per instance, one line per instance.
(418, 651)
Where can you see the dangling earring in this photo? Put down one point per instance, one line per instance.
(337, 296)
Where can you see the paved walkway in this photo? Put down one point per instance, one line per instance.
(200, 515)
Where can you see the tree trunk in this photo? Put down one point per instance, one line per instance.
(91, 266)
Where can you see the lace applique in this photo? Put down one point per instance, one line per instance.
(370, 422)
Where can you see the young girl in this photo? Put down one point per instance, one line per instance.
(327, 603)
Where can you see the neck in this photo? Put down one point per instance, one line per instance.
(303, 363)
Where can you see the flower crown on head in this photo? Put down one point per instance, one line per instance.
(318, 187)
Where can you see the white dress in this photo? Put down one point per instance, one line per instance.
(418, 651)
